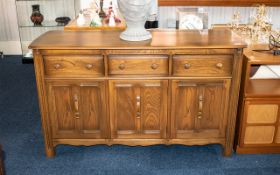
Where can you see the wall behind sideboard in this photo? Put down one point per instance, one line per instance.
(217, 15)
(9, 34)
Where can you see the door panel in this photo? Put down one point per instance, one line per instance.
(126, 108)
(186, 107)
(213, 106)
(61, 111)
(92, 110)
(138, 108)
(199, 108)
(151, 106)
(77, 109)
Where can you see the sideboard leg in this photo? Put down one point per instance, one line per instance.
(50, 152)
(227, 152)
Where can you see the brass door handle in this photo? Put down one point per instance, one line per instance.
(154, 66)
(219, 65)
(57, 66)
(138, 107)
(76, 106)
(187, 66)
(89, 66)
(122, 66)
(200, 107)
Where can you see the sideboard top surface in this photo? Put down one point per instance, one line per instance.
(162, 39)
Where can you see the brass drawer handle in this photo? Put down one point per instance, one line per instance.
(219, 65)
(122, 66)
(187, 66)
(154, 66)
(57, 66)
(89, 66)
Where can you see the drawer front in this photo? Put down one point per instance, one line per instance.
(71, 66)
(138, 65)
(202, 65)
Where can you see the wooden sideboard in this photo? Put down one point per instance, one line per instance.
(181, 87)
(259, 107)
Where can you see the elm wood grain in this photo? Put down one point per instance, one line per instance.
(266, 113)
(260, 57)
(137, 142)
(138, 108)
(78, 65)
(42, 98)
(145, 100)
(261, 93)
(259, 134)
(138, 65)
(202, 65)
(254, 150)
(277, 139)
(263, 88)
(162, 39)
(217, 2)
(233, 101)
(199, 108)
(77, 109)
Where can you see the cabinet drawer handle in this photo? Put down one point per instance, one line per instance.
(89, 66)
(219, 65)
(76, 106)
(200, 107)
(57, 66)
(122, 66)
(154, 66)
(187, 66)
(138, 107)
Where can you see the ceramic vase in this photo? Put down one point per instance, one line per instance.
(135, 13)
(36, 17)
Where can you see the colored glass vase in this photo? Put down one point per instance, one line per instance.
(36, 17)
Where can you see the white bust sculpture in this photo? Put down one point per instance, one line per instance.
(135, 12)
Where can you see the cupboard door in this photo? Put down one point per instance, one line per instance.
(92, 111)
(77, 109)
(61, 110)
(138, 108)
(199, 108)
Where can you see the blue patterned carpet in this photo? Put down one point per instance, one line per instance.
(21, 137)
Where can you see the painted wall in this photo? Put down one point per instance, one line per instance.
(10, 40)
(9, 34)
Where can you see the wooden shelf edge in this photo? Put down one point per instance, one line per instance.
(263, 88)
(258, 150)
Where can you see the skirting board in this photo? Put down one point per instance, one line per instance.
(10, 47)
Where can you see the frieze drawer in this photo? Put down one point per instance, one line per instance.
(202, 65)
(138, 65)
(72, 66)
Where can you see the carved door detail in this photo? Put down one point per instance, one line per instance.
(138, 108)
(199, 108)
